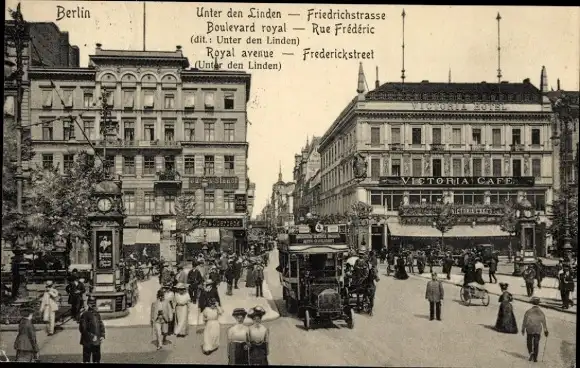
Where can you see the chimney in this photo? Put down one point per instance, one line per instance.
(377, 84)
(99, 46)
(544, 81)
(178, 48)
(558, 85)
(526, 81)
(360, 89)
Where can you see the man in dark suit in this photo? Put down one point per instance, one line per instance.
(237, 268)
(25, 344)
(75, 290)
(194, 280)
(434, 294)
(533, 325)
(92, 332)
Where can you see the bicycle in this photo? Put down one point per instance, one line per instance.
(468, 293)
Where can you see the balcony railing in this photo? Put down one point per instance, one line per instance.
(478, 147)
(518, 147)
(396, 146)
(437, 147)
(168, 177)
(120, 143)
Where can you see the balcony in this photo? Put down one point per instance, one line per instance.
(518, 147)
(159, 144)
(168, 179)
(478, 147)
(396, 147)
(437, 147)
(120, 143)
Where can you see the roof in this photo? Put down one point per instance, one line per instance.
(397, 91)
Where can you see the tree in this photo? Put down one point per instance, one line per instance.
(445, 219)
(509, 223)
(186, 218)
(60, 204)
(558, 209)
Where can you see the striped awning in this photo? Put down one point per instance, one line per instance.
(212, 235)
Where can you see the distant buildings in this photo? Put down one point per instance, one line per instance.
(307, 179)
(279, 211)
(180, 130)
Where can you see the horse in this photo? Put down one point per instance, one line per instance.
(360, 280)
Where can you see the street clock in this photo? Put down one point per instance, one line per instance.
(104, 205)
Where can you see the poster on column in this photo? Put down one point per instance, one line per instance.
(104, 250)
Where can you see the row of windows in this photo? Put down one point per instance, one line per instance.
(150, 99)
(155, 204)
(341, 147)
(473, 167)
(475, 97)
(393, 199)
(149, 164)
(168, 133)
(477, 136)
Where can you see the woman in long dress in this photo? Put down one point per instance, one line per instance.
(258, 338)
(182, 303)
(211, 332)
(400, 272)
(250, 282)
(237, 339)
(170, 300)
(506, 321)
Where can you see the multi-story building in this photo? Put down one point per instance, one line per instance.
(281, 209)
(471, 144)
(306, 165)
(180, 131)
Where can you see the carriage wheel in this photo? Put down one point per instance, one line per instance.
(465, 295)
(485, 298)
(307, 321)
(350, 319)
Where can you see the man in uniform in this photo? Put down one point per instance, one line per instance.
(534, 322)
(529, 276)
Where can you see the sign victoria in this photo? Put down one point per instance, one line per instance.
(457, 181)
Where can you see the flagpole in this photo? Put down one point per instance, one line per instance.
(144, 22)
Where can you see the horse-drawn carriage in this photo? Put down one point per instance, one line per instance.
(359, 283)
(311, 273)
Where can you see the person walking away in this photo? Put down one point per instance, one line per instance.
(224, 263)
(237, 270)
(506, 320)
(48, 307)
(479, 271)
(237, 339)
(26, 345)
(566, 286)
(410, 262)
(390, 262)
(209, 291)
(92, 332)
(448, 265)
(434, 294)
(529, 276)
(259, 279)
(75, 290)
(194, 279)
(492, 270)
(182, 303)
(534, 322)
(258, 338)
(229, 276)
(211, 332)
(160, 315)
(539, 272)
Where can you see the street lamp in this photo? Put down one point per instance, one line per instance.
(204, 184)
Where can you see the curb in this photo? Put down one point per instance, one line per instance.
(516, 297)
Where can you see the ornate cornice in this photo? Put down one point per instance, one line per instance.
(446, 116)
(62, 73)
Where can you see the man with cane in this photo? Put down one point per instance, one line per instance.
(534, 322)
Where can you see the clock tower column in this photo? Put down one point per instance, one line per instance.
(527, 230)
(107, 217)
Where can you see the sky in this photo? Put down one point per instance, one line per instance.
(304, 97)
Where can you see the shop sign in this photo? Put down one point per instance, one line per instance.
(223, 222)
(150, 225)
(429, 210)
(215, 182)
(240, 203)
(457, 181)
(322, 238)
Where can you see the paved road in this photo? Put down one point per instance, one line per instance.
(399, 334)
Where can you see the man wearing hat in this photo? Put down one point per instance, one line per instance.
(229, 276)
(160, 317)
(237, 268)
(434, 294)
(259, 279)
(75, 290)
(92, 332)
(49, 306)
(26, 345)
(181, 276)
(194, 279)
(529, 276)
(534, 322)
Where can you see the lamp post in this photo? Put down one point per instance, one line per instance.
(204, 184)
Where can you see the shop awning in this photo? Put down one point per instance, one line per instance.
(148, 236)
(417, 231)
(129, 236)
(478, 231)
(212, 235)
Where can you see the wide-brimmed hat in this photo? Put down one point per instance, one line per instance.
(49, 283)
(180, 286)
(503, 285)
(239, 312)
(257, 311)
(535, 300)
(208, 282)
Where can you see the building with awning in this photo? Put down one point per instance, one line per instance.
(142, 243)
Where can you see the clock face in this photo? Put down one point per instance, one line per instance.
(104, 204)
(528, 213)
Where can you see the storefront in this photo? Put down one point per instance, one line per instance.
(142, 243)
(219, 233)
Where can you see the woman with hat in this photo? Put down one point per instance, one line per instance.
(209, 291)
(25, 344)
(250, 281)
(258, 338)
(506, 321)
(170, 301)
(237, 339)
(49, 306)
(182, 302)
(211, 332)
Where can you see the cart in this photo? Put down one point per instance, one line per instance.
(311, 274)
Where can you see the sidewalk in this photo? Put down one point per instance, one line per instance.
(243, 297)
(550, 298)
